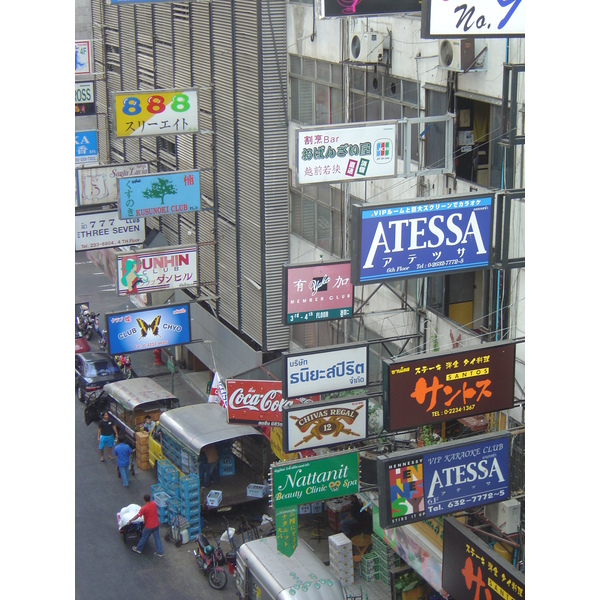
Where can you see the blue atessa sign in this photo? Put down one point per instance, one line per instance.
(147, 329)
(442, 235)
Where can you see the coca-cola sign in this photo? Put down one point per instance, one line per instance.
(255, 402)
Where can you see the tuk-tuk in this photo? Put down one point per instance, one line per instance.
(129, 401)
(264, 573)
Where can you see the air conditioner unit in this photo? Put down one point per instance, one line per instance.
(366, 47)
(456, 55)
(506, 515)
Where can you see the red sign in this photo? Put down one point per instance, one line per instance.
(442, 387)
(255, 402)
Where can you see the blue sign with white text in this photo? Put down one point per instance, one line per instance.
(86, 147)
(155, 327)
(443, 235)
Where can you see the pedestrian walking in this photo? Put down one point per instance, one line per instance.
(107, 435)
(123, 453)
(151, 526)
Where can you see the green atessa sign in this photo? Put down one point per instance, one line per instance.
(315, 479)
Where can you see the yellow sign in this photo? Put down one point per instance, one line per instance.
(156, 112)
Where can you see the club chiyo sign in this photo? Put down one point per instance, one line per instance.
(315, 479)
(419, 484)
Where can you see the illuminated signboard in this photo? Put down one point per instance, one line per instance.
(314, 479)
(419, 484)
(361, 8)
(443, 235)
(470, 564)
(155, 327)
(317, 292)
(434, 387)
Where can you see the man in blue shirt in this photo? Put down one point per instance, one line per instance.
(123, 452)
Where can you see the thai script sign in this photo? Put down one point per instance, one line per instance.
(86, 147)
(98, 185)
(477, 18)
(157, 112)
(434, 387)
(314, 479)
(155, 327)
(360, 8)
(443, 235)
(419, 484)
(472, 570)
(159, 194)
(321, 424)
(255, 402)
(347, 153)
(325, 370)
(317, 292)
(160, 269)
(105, 230)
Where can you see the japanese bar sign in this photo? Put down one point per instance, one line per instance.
(471, 570)
(255, 402)
(477, 18)
(98, 185)
(86, 147)
(325, 370)
(360, 8)
(157, 112)
(155, 327)
(106, 230)
(443, 235)
(431, 388)
(169, 268)
(319, 424)
(83, 61)
(159, 194)
(286, 529)
(314, 479)
(347, 153)
(420, 484)
(317, 292)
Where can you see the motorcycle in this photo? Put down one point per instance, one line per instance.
(124, 363)
(85, 324)
(102, 341)
(210, 559)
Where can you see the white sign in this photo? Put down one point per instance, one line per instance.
(98, 185)
(478, 18)
(328, 371)
(347, 153)
(83, 61)
(105, 229)
(84, 92)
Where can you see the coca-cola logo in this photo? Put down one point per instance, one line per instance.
(253, 400)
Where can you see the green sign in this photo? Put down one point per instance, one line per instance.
(171, 364)
(310, 480)
(286, 529)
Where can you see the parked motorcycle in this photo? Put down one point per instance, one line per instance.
(124, 363)
(211, 560)
(85, 323)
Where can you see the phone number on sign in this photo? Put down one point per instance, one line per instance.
(452, 411)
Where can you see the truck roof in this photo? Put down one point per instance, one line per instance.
(138, 390)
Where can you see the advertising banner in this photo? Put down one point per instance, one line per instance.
(314, 479)
(325, 370)
(159, 194)
(105, 230)
(317, 292)
(361, 8)
(478, 18)
(84, 99)
(347, 153)
(98, 185)
(286, 529)
(257, 402)
(435, 387)
(443, 235)
(321, 424)
(156, 112)
(436, 480)
(86, 147)
(83, 60)
(156, 327)
(470, 564)
(169, 268)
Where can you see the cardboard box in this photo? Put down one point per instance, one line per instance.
(141, 438)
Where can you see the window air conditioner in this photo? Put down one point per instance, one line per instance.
(366, 47)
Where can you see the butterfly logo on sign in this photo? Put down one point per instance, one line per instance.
(144, 327)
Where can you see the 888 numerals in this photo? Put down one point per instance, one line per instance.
(155, 104)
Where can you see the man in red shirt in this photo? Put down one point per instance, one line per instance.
(151, 526)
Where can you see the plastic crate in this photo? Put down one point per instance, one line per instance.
(256, 491)
(157, 487)
(214, 498)
(226, 470)
(161, 499)
(189, 484)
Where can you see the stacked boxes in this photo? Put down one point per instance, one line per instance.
(341, 562)
(378, 563)
(168, 478)
(190, 505)
(142, 450)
